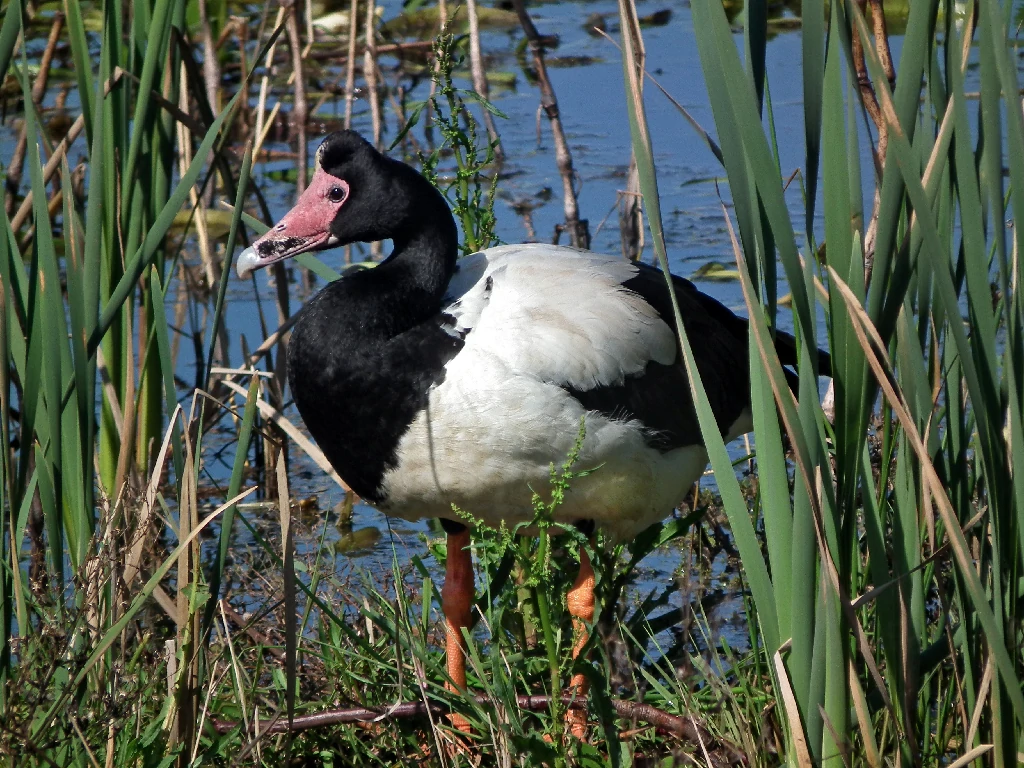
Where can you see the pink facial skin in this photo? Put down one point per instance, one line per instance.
(306, 226)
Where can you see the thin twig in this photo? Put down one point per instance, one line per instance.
(579, 234)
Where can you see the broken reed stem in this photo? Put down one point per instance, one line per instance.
(579, 233)
(476, 64)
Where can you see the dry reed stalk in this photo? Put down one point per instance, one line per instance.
(290, 606)
(211, 65)
(171, 719)
(53, 206)
(428, 114)
(875, 112)
(350, 82)
(17, 162)
(241, 28)
(261, 103)
(280, 275)
(579, 233)
(127, 435)
(300, 108)
(212, 686)
(631, 224)
(476, 64)
(273, 339)
(881, 31)
(198, 208)
(58, 154)
(350, 63)
(370, 72)
(262, 135)
(148, 509)
(310, 32)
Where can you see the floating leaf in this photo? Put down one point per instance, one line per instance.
(715, 270)
(424, 22)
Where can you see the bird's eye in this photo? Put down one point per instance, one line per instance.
(336, 194)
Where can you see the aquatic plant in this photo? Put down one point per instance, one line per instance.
(887, 586)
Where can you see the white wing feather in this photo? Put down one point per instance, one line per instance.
(558, 314)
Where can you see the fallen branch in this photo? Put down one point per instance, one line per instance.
(684, 727)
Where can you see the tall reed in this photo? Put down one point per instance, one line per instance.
(88, 403)
(888, 594)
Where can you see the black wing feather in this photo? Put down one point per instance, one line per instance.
(660, 397)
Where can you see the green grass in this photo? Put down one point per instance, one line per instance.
(887, 589)
(881, 548)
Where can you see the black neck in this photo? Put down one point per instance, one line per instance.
(411, 282)
(369, 307)
(364, 353)
(423, 260)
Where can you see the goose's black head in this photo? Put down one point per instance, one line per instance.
(356, 195)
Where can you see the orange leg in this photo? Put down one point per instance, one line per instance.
(456, 601)
(581, 607)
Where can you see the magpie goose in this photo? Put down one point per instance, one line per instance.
(430, 381)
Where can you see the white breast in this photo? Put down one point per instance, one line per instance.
(490, 436)
(540, 318)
